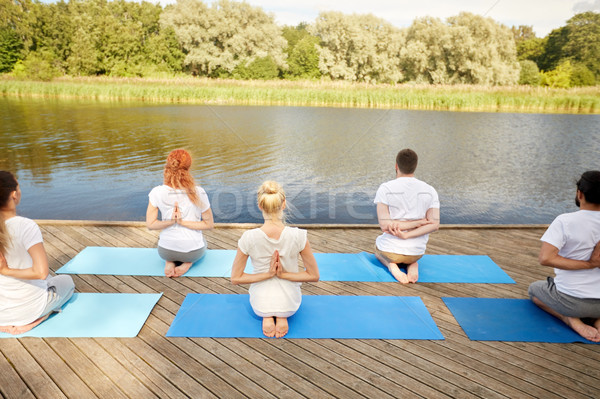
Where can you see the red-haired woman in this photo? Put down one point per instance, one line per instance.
(185, 212)
(27, 293)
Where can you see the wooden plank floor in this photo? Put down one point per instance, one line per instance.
(152, 365)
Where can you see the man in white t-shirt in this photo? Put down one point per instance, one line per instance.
(408, 209)
(571, 245)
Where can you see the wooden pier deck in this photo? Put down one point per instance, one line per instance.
(152, 365)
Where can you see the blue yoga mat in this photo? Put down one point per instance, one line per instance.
(144, 262)
(432, 269)
(96, 315)
(327, 316)
(501, 319)
(332, 266)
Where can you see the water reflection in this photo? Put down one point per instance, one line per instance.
(88, 160)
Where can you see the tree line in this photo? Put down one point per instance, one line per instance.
(230, 39)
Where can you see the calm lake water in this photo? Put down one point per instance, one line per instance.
(90, 160)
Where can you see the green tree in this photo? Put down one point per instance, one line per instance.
(578, 42)
(293, 34)
(425, 55)
(522, 33)
(302, 52)
(488, 55)
(303, 60)
(39, 65)
(559, 77)
(530, 74)
(164, 51)
(358, 47)
(583, 41)
(11, 49)
(467, 49)
(554, 49)
(85, 49)
(120, 38)
(529, 47)
(52, 29)
(582, 76)
(15, 32)
(217, 39)
(262, 68)
(18, 16)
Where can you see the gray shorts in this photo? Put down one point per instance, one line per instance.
(60, 290)
(564, 304)
(176, 256)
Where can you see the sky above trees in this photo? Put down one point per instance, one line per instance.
(543, 15)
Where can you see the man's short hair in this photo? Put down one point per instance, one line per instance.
(407, 160)
(589, 185)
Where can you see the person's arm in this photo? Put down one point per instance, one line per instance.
(207, 222)
(239, 264)
(39, 269)
(311, 272)
(549, 257)
(433, 224)
(388, 225)
(152, 221)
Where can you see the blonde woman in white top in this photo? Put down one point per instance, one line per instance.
(273, 249)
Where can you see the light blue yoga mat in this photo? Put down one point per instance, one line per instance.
(319, 316)
(332, 266)
(144, 262)
(432, 269)
(502, 319)
(96, 315)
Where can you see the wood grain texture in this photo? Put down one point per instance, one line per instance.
(152, 365)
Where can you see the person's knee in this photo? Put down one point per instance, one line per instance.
(534, 289)
(67, 284)
(62, 284)
(530, 292)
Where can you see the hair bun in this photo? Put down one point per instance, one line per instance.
(173, 163)
(271, 187)
(179, 159)
(271, 197)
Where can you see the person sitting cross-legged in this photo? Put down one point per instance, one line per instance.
(571, 246)
(408, 210)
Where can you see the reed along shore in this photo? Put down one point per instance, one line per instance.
(190, 90)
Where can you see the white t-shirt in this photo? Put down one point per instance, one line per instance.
(21, 301)
(575, 235)
(176, 237)
(274, 295)
(407, 198)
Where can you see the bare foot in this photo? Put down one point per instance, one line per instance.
(16, 330)
(269, 326)
(182, 269)
(281, 327)
(591, 333)
(597, 325)
(397, 273)
(169, 269)
(393, 268)
(588, 332)
(413, 272)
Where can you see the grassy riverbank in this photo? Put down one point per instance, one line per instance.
(335, 94)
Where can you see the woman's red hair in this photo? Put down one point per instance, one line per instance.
(177, 174)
